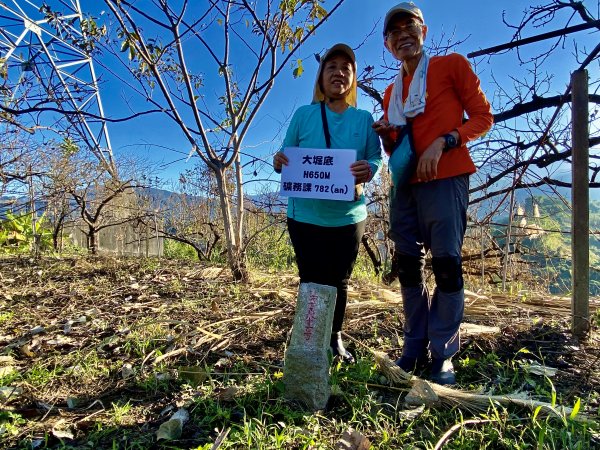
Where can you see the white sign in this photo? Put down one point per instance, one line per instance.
(322, 173)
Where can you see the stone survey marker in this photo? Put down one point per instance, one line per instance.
(306, 370)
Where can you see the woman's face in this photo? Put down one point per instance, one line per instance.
(337, 77)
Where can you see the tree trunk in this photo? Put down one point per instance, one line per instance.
(236, 256)
(92, 240)
(57, 233)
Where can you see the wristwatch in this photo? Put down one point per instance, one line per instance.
(451, 142)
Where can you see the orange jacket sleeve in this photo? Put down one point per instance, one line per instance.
(474, 102)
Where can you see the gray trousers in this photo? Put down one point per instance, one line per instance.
(432, 217)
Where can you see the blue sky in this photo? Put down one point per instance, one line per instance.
(479, 23)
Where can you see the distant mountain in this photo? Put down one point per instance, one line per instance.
(523, 197)
(17, 205)
(159, 197)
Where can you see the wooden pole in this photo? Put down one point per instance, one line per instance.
(508, 236)
(511, 215)
(482, 257)
(580, 195)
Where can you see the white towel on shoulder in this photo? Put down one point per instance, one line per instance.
(415, 101)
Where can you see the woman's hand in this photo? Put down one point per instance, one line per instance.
(362, 172)
(279, 160)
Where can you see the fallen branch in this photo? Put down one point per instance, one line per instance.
(429, 394)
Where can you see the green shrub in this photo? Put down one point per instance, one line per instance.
(17, 234)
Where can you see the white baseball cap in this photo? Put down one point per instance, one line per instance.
(406, 8)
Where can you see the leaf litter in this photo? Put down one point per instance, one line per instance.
(87, 332)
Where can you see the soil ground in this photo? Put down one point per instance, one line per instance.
(80, 334)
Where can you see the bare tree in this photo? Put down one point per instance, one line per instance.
(17, 153)
(540, 131)
(245, 45)
(193, 215)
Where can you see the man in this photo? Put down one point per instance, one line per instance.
(431, 95)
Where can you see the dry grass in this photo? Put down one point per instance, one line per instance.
(100, 340)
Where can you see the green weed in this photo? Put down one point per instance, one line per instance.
(40, 375)
(5, 317)
(119, 412)
(145, 337)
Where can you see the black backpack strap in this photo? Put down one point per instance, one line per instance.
(405, 130)
(325, 126)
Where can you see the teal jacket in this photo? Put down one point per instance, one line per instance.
(350, 129)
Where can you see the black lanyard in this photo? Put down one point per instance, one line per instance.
(325, 126)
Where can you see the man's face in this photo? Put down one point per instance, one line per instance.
(405, 36)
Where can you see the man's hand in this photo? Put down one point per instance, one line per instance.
(428, 162)
(387, 133)
(279, 160)
(361, 170)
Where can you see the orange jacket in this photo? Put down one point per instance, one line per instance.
(452, 90)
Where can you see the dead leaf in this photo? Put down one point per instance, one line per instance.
(194, 375)
(127, 371)
(9, 393)
(211, 273)
(227, 394)
(26, 351)
(59, 341)
(413, 413)
(7, 370)
(5, 339)
(222, 363)
(171, 429)
(353, 440)
(538, 369)
(5, 359)
(68, 326)
(63, 434)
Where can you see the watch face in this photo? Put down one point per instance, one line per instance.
(450, 141)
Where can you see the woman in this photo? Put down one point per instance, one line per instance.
(326, 234)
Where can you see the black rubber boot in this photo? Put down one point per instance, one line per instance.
(413, 365)
(338, 349)
(442, 372)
